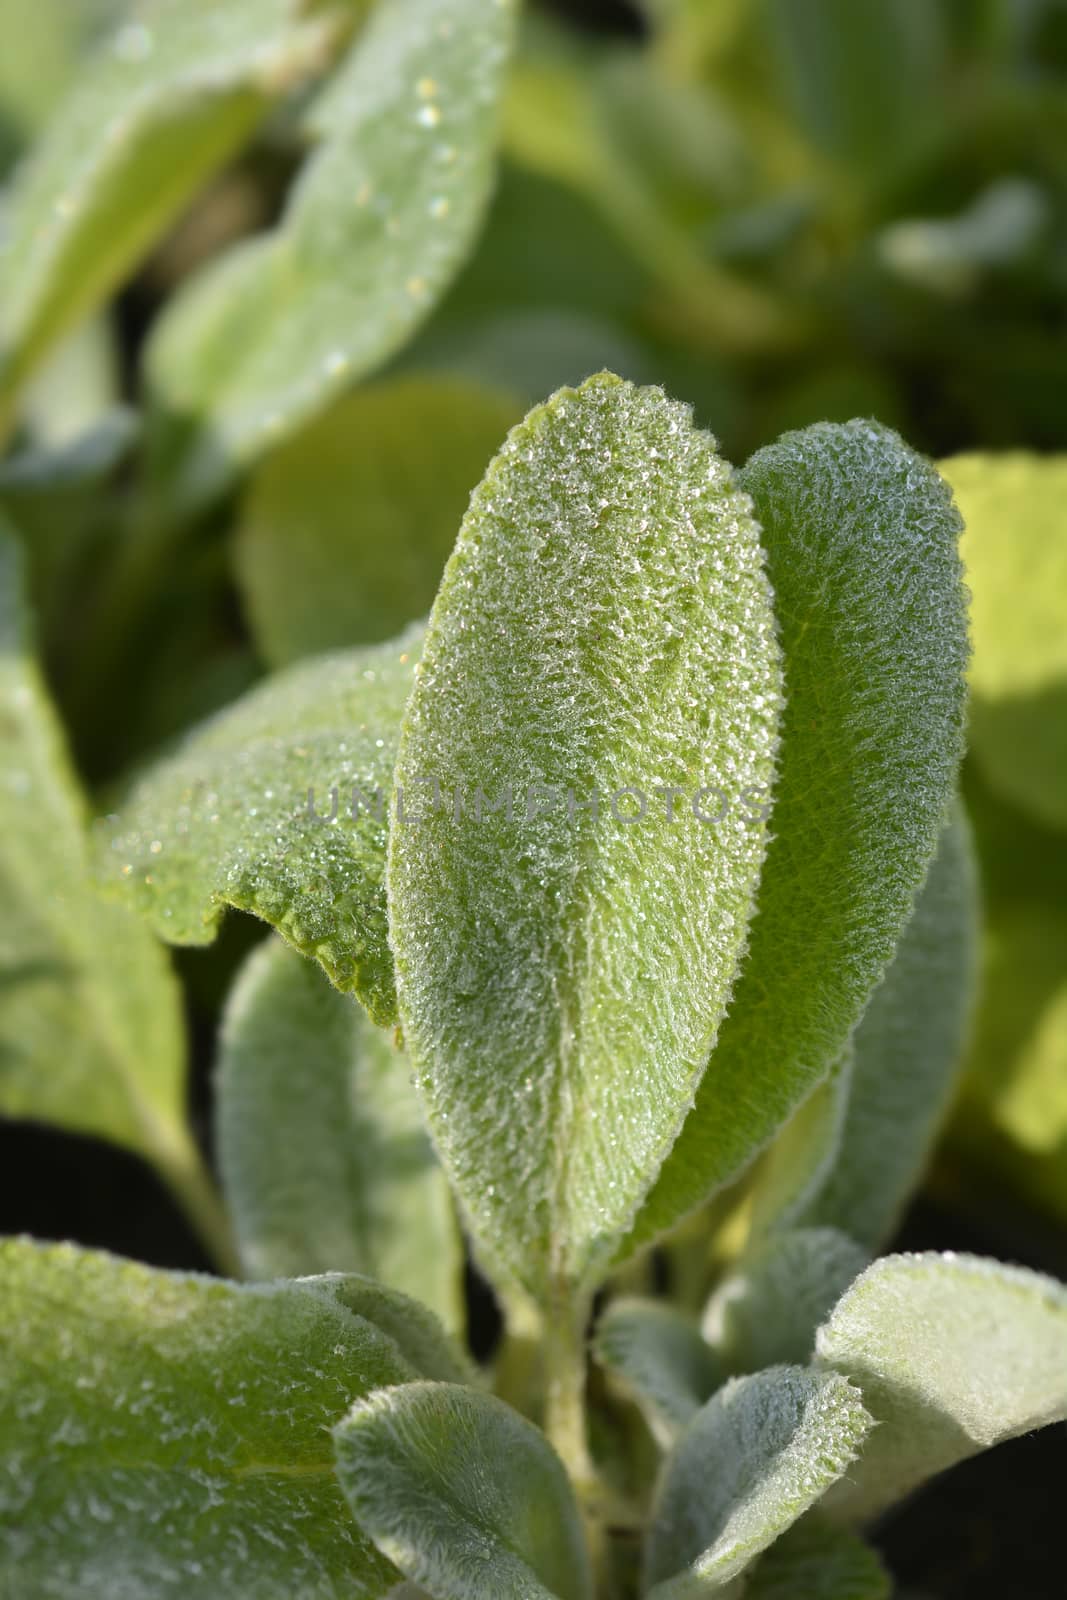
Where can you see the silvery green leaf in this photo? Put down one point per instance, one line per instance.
(907, 1049)
(603, 625)
(1015, 548)
(323, 1157)
(861, 537)
(226, 819)
(463, 1495)
(953, 1354)
(348, 525)
(374, 231)
(660, 1359)
(91, 1034)
(177, 88)
(768, 1307)
(166, 1434)
(816, 1561)
(762, 1451)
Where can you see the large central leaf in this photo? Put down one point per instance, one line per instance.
(604, 625)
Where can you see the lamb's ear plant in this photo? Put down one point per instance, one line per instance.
(622, 914)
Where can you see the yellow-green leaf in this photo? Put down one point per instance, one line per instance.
(1015, 550)
(348, 526)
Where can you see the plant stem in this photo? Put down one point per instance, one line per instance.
(185, 1173)
(565, 1422)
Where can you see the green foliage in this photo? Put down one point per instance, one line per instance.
(768, 1307)
(752, 1461)
(463, 1495)
(325, 1164)
(372, 235)
(640, 651)
(227, 820)
(91, 1033)
(864, 1151)
(167, 1434)
(820, 1562)
(1016, 559)
(952, 1354)
(348, 526)
(178, 87)
(660, 1359)
(628, 908)
(861, 549)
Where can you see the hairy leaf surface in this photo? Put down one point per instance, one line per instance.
(466, 1497)
(953, 1354)
(659, 1357)
(180, 84)
(759, 1454)
(348, 526)
(603, 625)
(225, 820)
(323, 1156)
(374, 231)
(861, 537)
(166, 1434)
(768, 1307)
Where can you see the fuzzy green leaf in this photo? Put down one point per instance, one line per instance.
(1015, 548)
(348, 526)
(165, 1434)
(760, 1453)
(661, 1360)
(91, 1035)
(768, 1307)
(178, 87)
(225, 819)
(323, 1156)
(953, 1354)
(374, 231)
(906, 1052)
(816, 1561)
(466, 1497)
(603, 624)
(861, 536)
